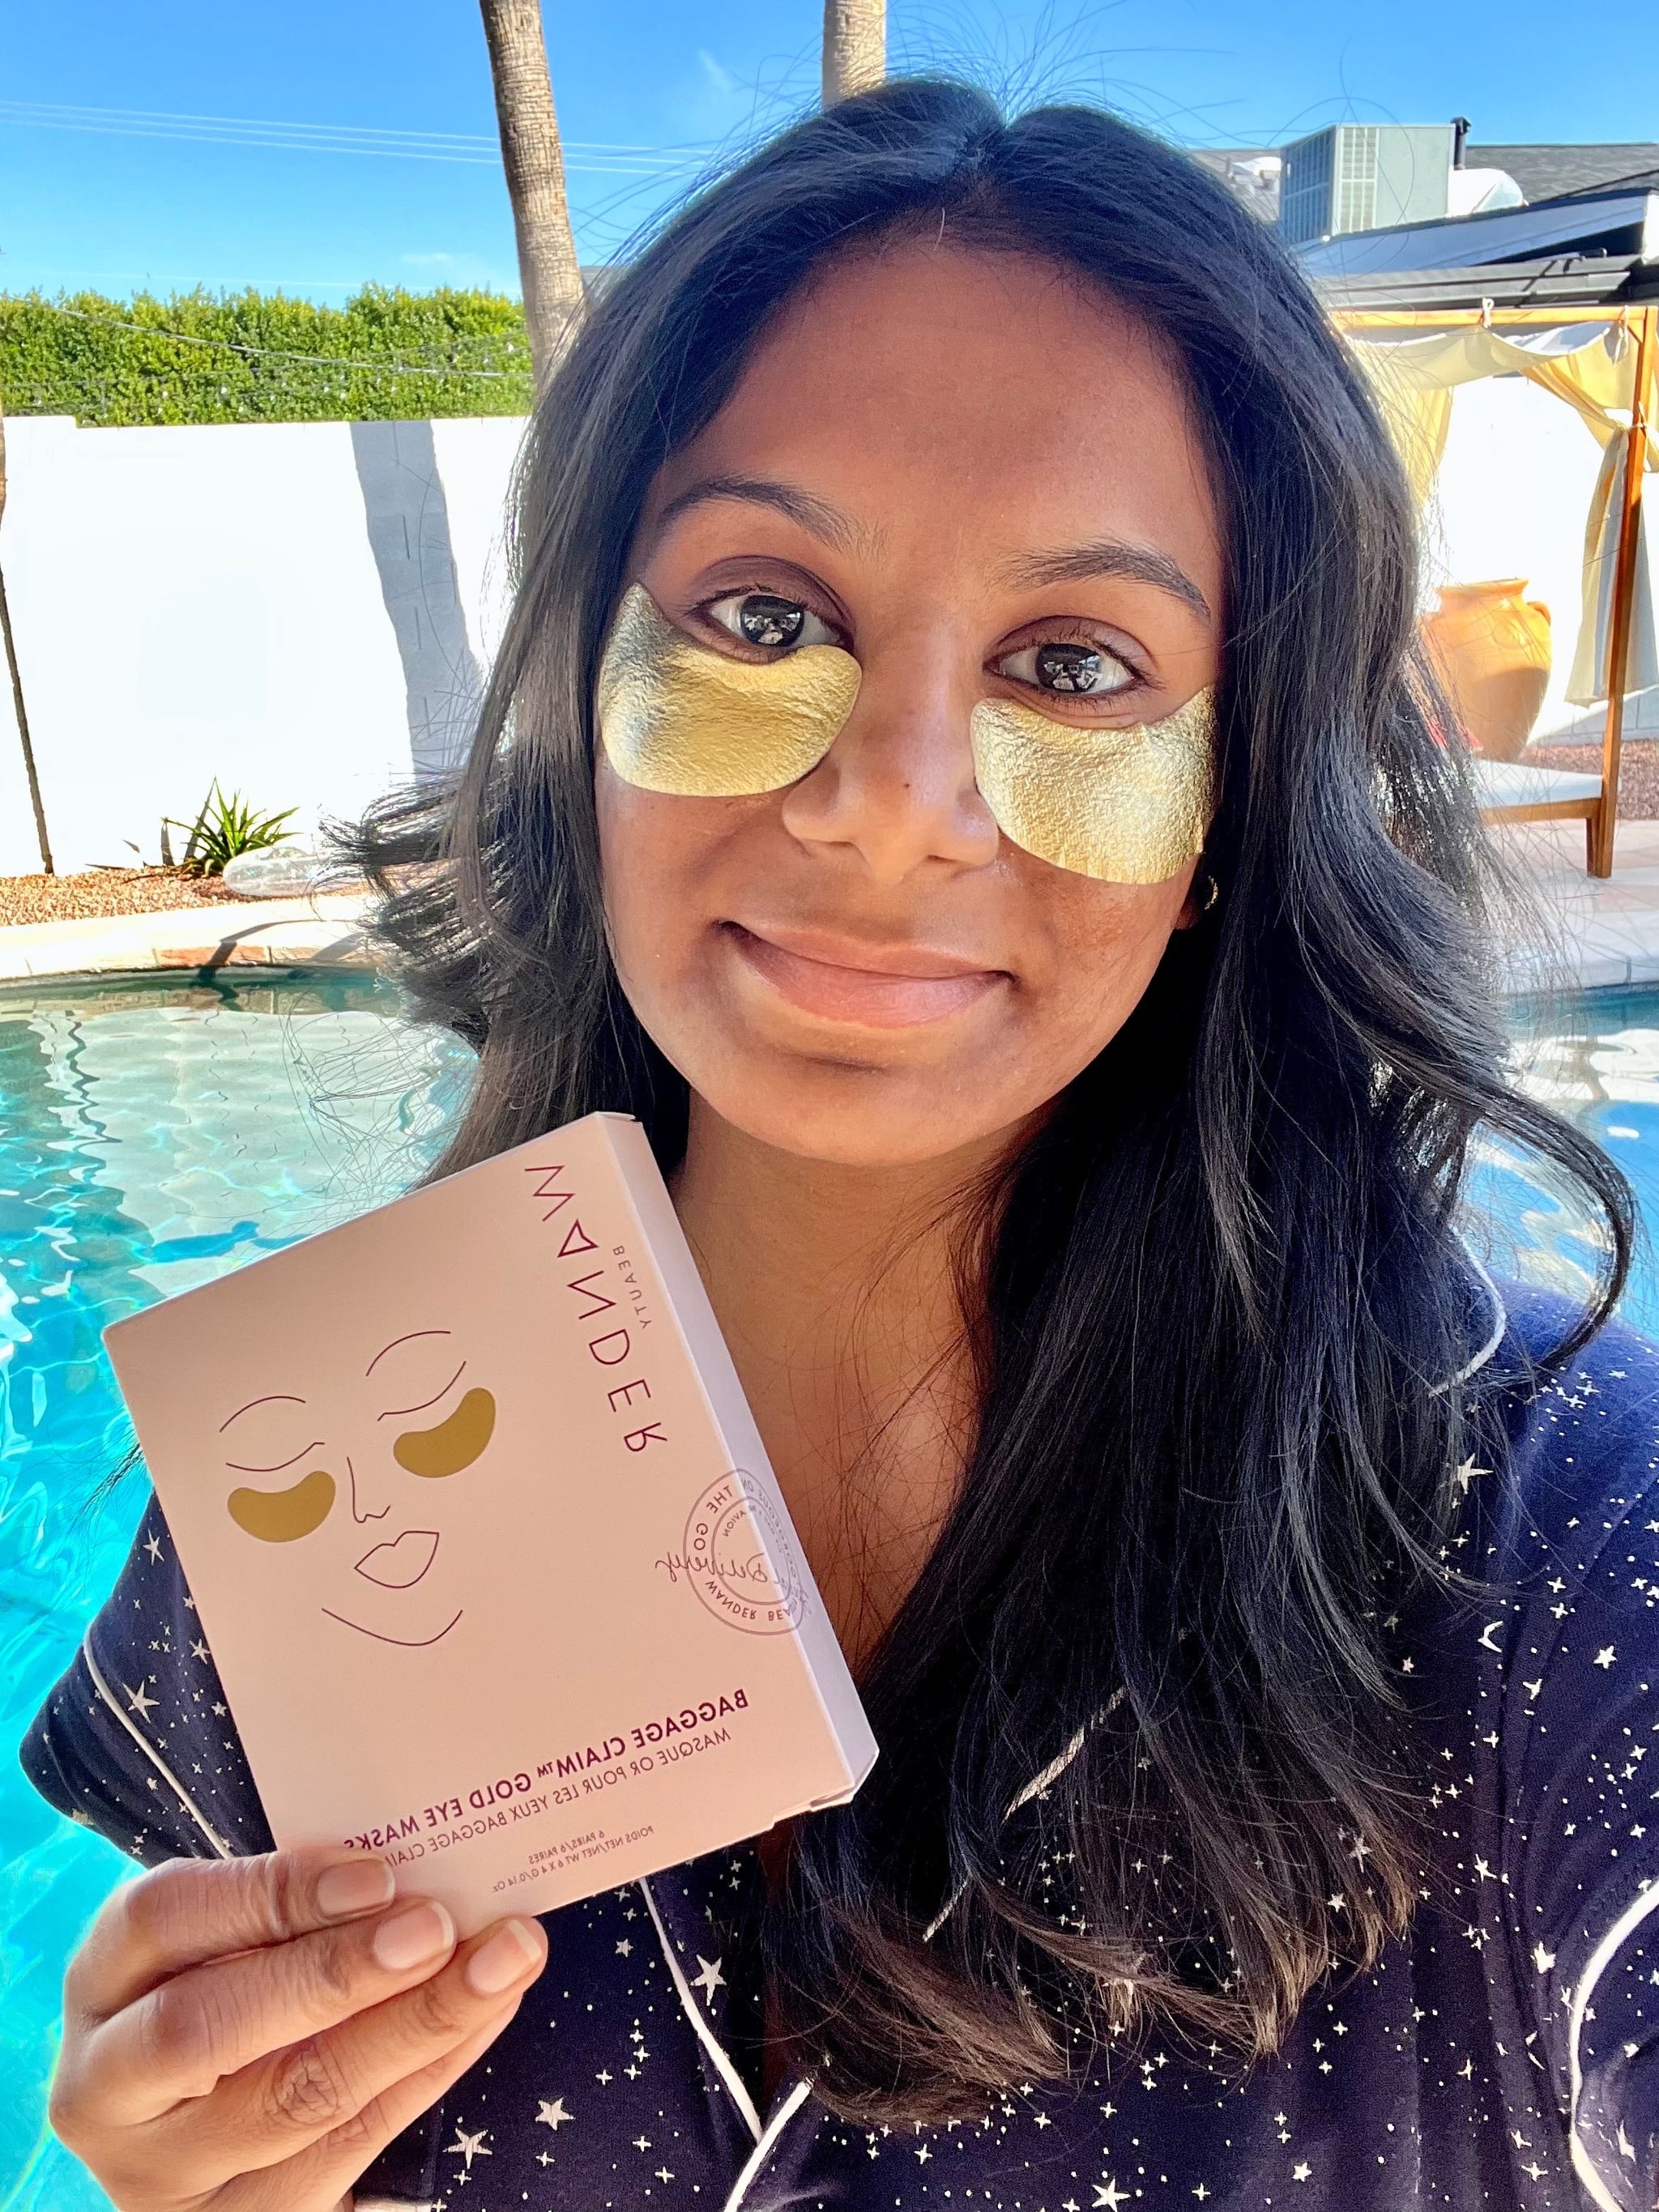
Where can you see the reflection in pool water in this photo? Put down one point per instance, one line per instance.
(152, 1136)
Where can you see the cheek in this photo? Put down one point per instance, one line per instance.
(662, 858)
(1104, 942)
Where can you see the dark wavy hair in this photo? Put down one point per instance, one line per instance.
(1220, 1299)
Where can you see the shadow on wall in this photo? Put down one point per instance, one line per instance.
(408, 521)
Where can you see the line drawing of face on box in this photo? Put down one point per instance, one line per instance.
(417, 1421)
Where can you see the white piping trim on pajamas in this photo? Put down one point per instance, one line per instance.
(763, 2149)
(1489, 1346)
(706, 2035)
(220, 1846)
(1639, 1908)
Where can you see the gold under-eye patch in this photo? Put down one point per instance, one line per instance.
(677, 716)
(1125, 806)
(454, 1443)
(281, 1516)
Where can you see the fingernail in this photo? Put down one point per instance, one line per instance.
(502, 1960)
(410, 1939)
(354, 1886)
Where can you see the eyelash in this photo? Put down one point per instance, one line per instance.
(1057, 634)
(236, 1467)
(401, 1412)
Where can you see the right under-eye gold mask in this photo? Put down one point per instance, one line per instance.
(1128, 805)
(677, 716)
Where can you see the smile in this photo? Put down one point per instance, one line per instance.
(400, 1565)
(887, 987)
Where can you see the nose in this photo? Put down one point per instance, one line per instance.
(362, 1495)
(897, 789)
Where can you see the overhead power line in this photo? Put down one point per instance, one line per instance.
(593, 157)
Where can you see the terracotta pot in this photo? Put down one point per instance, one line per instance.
(1492, 648)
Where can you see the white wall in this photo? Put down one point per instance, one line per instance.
(304, 609)
(208, 601)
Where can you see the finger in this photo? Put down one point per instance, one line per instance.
(279, 2106)
(318, 2179)
(180, 2039)
(192, 1909)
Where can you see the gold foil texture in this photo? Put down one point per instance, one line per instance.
(677, 716)
(1128, 805)
(1124, 806)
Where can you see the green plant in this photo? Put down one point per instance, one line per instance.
(261, 357)
(226, 827)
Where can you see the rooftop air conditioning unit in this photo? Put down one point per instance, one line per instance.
(1363, 176)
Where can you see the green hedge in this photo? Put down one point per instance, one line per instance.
(246, 357)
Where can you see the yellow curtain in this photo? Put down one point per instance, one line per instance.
(1593, 369)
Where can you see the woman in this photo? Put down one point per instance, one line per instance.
(957, 770)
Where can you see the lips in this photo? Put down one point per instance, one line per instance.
(398, 1564)
(875, 986)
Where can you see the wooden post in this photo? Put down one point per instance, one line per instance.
(10, 648)
(1624, 594)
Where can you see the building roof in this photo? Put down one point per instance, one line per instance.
(1544, 172)
(1558, 281)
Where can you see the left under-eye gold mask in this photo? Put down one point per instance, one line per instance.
(677, 716)
(1128, 805)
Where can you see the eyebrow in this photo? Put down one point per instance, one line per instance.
(1074, 564)
(815, 516)
(277, 1398)
(396, 1341)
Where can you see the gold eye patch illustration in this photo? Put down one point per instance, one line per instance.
(677, 716)
(1125, 806)
(454, 1443)
(281, 1516)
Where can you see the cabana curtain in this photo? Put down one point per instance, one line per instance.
(1592, 368)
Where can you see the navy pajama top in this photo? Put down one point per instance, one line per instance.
(1505, 2054)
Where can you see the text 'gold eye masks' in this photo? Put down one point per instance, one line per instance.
(280, 1517)
(679, 717)
(454, 1443)
(1125, 806)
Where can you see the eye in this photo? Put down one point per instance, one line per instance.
(280, 1517)
(454, 1443)
(769, 621)
(1068, 669)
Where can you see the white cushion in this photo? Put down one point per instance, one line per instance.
(1506, 783)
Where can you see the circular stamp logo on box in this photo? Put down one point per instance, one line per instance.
(740, 1556)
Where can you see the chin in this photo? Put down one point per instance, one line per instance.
(857, 1116)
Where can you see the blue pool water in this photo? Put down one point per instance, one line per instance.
(152, 1136)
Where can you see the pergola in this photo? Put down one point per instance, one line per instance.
(1611, 294)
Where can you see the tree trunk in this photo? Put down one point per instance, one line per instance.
(548, 267)
(854, 47)
(10, 648)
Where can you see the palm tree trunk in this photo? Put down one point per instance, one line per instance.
(7, 640)
(854, 47)
(548, 267)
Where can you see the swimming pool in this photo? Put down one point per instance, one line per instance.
(152, 1135)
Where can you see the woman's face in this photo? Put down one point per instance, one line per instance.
(942, 463)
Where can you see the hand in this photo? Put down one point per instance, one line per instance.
(248, 2034)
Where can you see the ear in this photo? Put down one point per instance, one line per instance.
(1201, 895)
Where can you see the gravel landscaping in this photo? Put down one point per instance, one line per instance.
(1638, 772)
(104, 891)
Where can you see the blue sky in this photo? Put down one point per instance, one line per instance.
(124, 202)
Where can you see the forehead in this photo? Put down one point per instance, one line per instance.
(919, 385)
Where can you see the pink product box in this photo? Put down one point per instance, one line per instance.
(484, 1541)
